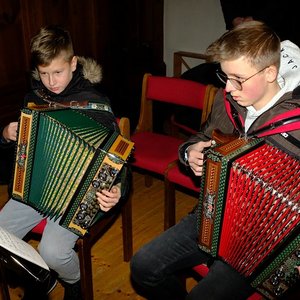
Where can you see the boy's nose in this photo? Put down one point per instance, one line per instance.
(51, 80)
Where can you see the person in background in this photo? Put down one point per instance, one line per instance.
(280, 16)
(261, 76)
(62, 77)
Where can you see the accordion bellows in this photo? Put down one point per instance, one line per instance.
(249, 212)
(63, 157)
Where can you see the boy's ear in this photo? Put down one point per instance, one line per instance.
(74, 63)
(272, 72)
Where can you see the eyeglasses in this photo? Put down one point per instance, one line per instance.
(235, 82)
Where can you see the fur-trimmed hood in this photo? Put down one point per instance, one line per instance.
(91, 70)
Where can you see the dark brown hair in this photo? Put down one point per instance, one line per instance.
(51, 42)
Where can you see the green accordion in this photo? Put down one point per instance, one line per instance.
(63, 158)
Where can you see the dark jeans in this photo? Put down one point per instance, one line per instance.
(154, 268)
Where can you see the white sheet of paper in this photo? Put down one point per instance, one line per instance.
(21, 248)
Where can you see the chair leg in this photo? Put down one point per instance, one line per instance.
(169, 209)
(127, 229)
(84, 252)
(85, 244)
(4, 293)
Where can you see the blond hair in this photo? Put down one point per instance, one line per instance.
(253, 40)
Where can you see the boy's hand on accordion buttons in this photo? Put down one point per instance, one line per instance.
(196, 157)
(108, 199)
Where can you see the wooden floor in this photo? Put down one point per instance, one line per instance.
(110, 273)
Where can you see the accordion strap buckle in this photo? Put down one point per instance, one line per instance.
(74, 104)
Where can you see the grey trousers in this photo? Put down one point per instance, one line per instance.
(57, 243)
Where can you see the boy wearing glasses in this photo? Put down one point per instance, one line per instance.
(261, 77)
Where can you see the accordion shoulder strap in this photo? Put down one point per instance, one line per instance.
(84, 104)
(280, 126)
(285, 122)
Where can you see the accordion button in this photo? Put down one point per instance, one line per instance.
(95, 183)
(83, 206)
(278, 291)
(280, 273)
(81, 215)
(274, 280)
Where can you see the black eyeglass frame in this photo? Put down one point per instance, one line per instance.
(235, 82)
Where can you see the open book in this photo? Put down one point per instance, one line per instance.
(19, 255)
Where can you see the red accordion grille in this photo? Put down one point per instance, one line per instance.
(262, 206)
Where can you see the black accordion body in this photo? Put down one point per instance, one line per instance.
(249, 212)
(63, 157)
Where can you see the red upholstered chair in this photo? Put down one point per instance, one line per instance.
(202, 270)
(85, 244)
(178, 175)
(155, 151)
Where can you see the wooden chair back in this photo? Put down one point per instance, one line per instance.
(176, 91)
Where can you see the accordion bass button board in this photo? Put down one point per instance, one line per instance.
(249, 213)
(63, 158)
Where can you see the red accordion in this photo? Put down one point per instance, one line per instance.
(249, 212)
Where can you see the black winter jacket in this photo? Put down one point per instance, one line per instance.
(81, 88)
